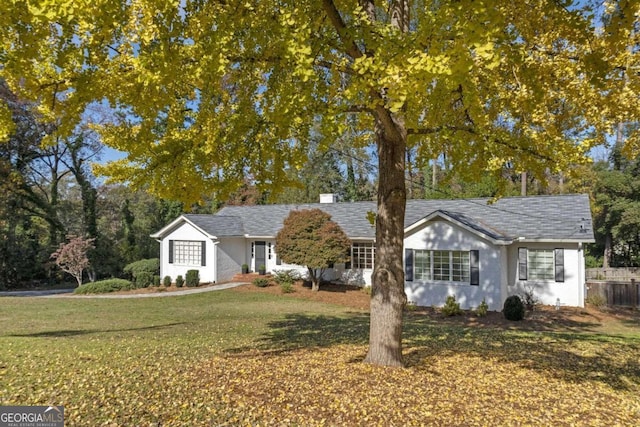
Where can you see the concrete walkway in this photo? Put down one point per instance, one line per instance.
(68, 293)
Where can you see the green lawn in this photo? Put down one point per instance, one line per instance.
(231, 358)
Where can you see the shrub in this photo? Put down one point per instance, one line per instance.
(529, 299)
(513, 308)
(482, 309)
(104, 286)
(143, 279)
(261, 282)
(193, 278)
(179, 281)
(286, 276)
(596, 300)
(287, 288)
(410, 306)
(156, 280)
(151, 266)
(451, 307)
(166, 281)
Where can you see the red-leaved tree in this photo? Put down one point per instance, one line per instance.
(72, 257)
(310, 238)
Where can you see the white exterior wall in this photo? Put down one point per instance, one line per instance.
(440, 235)
(571, 292)
(187, 232)
(229, 257)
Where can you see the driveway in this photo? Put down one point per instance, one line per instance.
(68, 293)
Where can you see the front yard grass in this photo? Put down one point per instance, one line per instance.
(234, 358)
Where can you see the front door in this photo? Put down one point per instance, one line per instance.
(260, 255)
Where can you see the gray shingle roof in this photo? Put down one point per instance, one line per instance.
(556, 217)
(218, 225)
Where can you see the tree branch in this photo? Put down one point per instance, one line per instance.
(350, 46)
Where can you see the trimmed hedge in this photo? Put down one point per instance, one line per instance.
(166, 281)
(513, 308)
(193, 278)
(144, 279)
(151, 266)
(104, 286)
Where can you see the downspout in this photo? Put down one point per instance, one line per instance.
(581, 276)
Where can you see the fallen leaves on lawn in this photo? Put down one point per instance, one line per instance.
(329, 386)
(454, 376)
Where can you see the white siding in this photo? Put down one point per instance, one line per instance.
(230, 255)
(187, 232)
(570, 292)
(440, 235)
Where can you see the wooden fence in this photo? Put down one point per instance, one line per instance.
(615, 274)
(625, 294)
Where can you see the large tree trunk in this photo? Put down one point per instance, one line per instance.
(388, 297)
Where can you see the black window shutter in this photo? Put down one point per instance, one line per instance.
(170, 251)
(559, 264)
(474, 258)
(203, 254)
(408, 265)
(522, 263)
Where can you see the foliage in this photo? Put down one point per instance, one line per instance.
(451, 307)
(261, 282)
(143, 279)
(410, 306)
(286, 276)
(309, 238)
(271, 353)
(156, 280)
(287, 287)
(616, 195)
(104, 286)
(513, 308)
(192, 278)
(482, 309)
(151, 266)
(529, 298)
(596, 300)
(72, 257)
(179, 281)
(166, 281)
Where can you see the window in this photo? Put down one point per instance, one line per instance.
(541, 264)
(441, 265)
(362, 255)
(450, 266)
(460, 266)
(422, 267)
(187, 252)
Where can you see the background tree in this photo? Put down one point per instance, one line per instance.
(309, 237)
(212, 91)
(72, 256)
